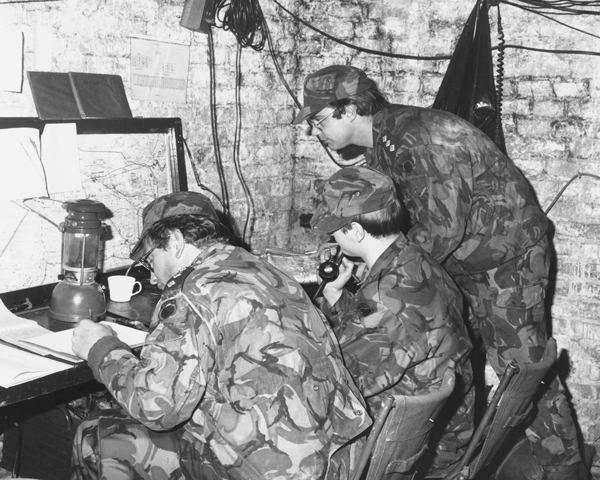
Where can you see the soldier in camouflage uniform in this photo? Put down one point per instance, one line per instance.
(240, 376)
(403, 328)
(473, 210)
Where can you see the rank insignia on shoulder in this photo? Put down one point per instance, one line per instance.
(389, 142)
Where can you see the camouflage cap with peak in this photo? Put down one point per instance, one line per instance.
(349, 192)
(329, 84)
(178, 203)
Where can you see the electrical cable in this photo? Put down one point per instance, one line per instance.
(213, 123)
(197, 175)
(559, 7)
(428, 57)
(289, 90)
(579, 175)
(361, 49)
(554, 20)
(499, 79)
(546, 50)
(250, 218)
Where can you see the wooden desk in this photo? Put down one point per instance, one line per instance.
(38, 418)
(136, 313)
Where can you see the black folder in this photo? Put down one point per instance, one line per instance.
(75, 95)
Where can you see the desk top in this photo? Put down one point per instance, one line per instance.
(136, 313)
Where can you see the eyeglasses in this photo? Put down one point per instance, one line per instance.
(317, 124)
(144, 260)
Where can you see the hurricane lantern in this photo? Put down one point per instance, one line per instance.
(77, 295)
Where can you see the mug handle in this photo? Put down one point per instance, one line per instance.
(139, 289)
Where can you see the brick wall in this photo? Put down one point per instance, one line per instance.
(551, 114)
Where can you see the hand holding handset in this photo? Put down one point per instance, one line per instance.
(329, 271)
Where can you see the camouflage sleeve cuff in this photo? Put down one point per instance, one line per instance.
(101, 349)
(327, 307)
(334, 312)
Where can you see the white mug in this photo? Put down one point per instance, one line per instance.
(123, 287)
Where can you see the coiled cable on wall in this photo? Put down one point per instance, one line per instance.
(499, 79)
(244, 19)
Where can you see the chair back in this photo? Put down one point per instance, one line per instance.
(404, 434)
(509, 407)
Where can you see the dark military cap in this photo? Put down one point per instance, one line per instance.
(329, 84)
(178, 203)
(349, 192)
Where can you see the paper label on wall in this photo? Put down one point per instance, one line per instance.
(159, 70)
(60, 157)
(11, 60)
(23, 175)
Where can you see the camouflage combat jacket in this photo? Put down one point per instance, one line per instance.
(244, 360)
(470, 206)
(403, 328)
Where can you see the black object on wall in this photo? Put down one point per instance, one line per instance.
(468, 89)
(197, 15)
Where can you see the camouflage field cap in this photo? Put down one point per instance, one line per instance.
(328, 85)
(192, 203)
(349, 192)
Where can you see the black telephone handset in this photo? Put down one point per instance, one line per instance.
(329, 271)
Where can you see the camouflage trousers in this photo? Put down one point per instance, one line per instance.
(110, 445)
(507, 310)
(113, 446)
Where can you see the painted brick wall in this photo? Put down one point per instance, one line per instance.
(551, 114)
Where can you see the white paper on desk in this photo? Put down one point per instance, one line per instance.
(11, 59)
(60, 157)
(20, 367)
(61, 342)
(20, 163)
(14, 328)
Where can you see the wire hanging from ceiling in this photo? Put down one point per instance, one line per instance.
(288, 88)
(214, 126)
(558, 7)
(562, 23)
(250, 217)
(433, 57)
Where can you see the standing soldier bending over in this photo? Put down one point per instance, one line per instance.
(473, 210)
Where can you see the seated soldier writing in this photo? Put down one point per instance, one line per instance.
(240, 376)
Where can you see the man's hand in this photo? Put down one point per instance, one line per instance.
(333, 290)
(86, 334)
